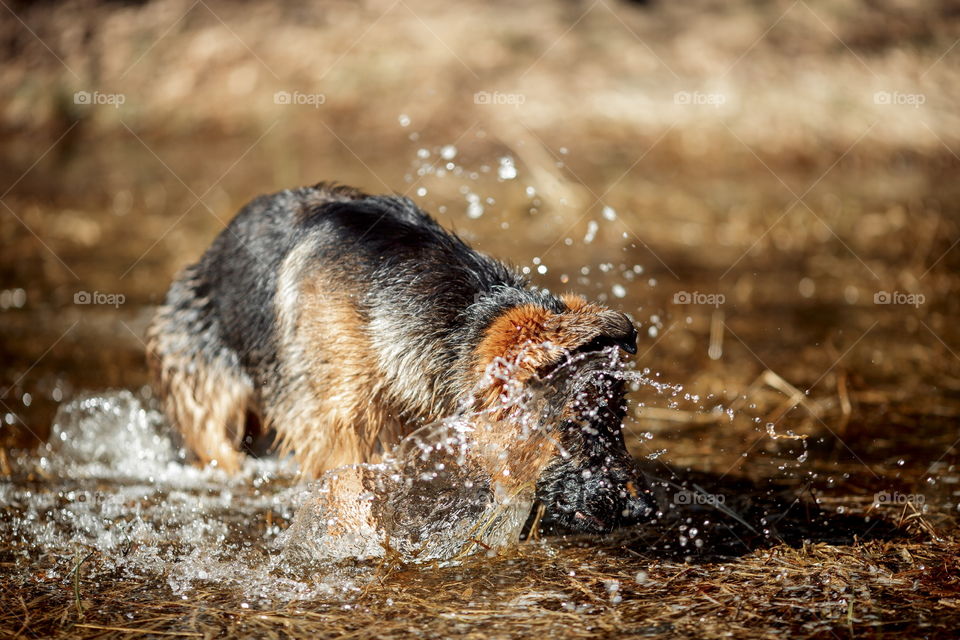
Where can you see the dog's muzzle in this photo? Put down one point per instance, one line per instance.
(595, 500)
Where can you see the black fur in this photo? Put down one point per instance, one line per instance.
(595, 485)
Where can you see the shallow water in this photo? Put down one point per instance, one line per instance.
(113, 501)
(111, 523)
(114, 481)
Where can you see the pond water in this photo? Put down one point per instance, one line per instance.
(774, 405)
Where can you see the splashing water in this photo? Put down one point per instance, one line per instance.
(115, 483)
(451, 488)
(438, 504)
(113, 431)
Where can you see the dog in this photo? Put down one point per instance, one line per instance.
(342, 322)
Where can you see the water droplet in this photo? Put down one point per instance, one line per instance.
(474, 208)
(592, 228)
(506, 170)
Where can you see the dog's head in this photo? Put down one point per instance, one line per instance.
(571, 355)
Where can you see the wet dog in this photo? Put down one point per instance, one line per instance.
(343, 322)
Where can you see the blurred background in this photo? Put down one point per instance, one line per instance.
(769, 189)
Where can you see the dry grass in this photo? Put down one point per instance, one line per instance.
(580, 588)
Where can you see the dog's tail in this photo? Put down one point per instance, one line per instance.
(204, 390)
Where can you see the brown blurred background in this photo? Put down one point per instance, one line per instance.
(751, 175)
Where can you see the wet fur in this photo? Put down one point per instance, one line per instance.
(343, 322)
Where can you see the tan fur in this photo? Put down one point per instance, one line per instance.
(526, 339)
(208, 402)
(574, 301)
(333, 409)
(530, 338)
(347, 421)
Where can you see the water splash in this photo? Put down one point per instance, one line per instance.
(464, 484)
(114, 482)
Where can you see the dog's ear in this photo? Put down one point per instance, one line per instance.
(532, 337)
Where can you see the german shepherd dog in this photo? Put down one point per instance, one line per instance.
(341, 322)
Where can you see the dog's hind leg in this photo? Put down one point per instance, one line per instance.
(204, 390)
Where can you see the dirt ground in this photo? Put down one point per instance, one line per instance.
(769, 188)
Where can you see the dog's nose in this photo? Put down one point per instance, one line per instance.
(629, 342)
